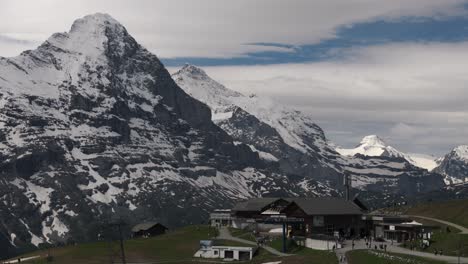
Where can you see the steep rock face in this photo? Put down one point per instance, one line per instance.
(92, 126)
(276, 132)
(454, 166)
(290, 138)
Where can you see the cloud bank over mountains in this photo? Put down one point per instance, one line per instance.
(393, 68)
(212, 28)
(412, 94)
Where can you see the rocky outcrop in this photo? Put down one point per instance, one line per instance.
(454, 166)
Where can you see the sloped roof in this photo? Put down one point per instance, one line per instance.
(254, 204)
(327, 206)
(145, 226)
(311, 206)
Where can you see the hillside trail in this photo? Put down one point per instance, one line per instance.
(463, 230)
(226, 235)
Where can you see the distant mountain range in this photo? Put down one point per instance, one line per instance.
(453, 165)
(93, 128)
(290, 137)
(374, 146)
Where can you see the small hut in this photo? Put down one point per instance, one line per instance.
(148, 229)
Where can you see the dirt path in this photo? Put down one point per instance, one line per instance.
(226, 235)
(463, 230)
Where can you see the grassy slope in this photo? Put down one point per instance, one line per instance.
(174, 247)
(315, 256)
(365, 257)
(240, 233)
(179, 245)
(455, 211)
(448, 242)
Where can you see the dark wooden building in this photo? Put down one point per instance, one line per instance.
(307, 217)
(397, 228)
(148, 229)
(328, 216)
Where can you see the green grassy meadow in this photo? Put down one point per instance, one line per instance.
(177, 246)
(455, 211)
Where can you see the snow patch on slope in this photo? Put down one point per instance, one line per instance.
(263, 155)
(462, 152)
(424, 161)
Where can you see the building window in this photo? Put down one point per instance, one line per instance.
(216, 253)
(318, 220)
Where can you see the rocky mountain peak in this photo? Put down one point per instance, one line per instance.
(94, 21)
(374, 146)
(455, 165)
(92, 36)
(192, 71)
(91, 123)
(197, 83)
(372, 140)
(461, 152)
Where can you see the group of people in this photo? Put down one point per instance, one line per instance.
(260, 241)
(342, 258)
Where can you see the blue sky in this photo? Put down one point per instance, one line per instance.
(358, 67)
(379, 32)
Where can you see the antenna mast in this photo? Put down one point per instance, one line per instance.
(347, 185)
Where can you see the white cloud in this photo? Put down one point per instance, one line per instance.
(372, 91)
(213, 28)
(414, 94)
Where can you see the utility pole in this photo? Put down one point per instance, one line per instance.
(459, 248)
(122, 249)
(284, 237)
(347, 185)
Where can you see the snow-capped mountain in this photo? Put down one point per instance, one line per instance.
(300, 146)
(276, 132)
(92, 125)
(374, 146)
(454, 166)
(292, 125)
(371, 146)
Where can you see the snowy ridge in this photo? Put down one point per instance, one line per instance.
(369, 146)
(422, 160)
(462, 152)
(270, 128)
(374, 146)
(292, 125)
(454, 166)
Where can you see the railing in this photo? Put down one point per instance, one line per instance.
(220, 216)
